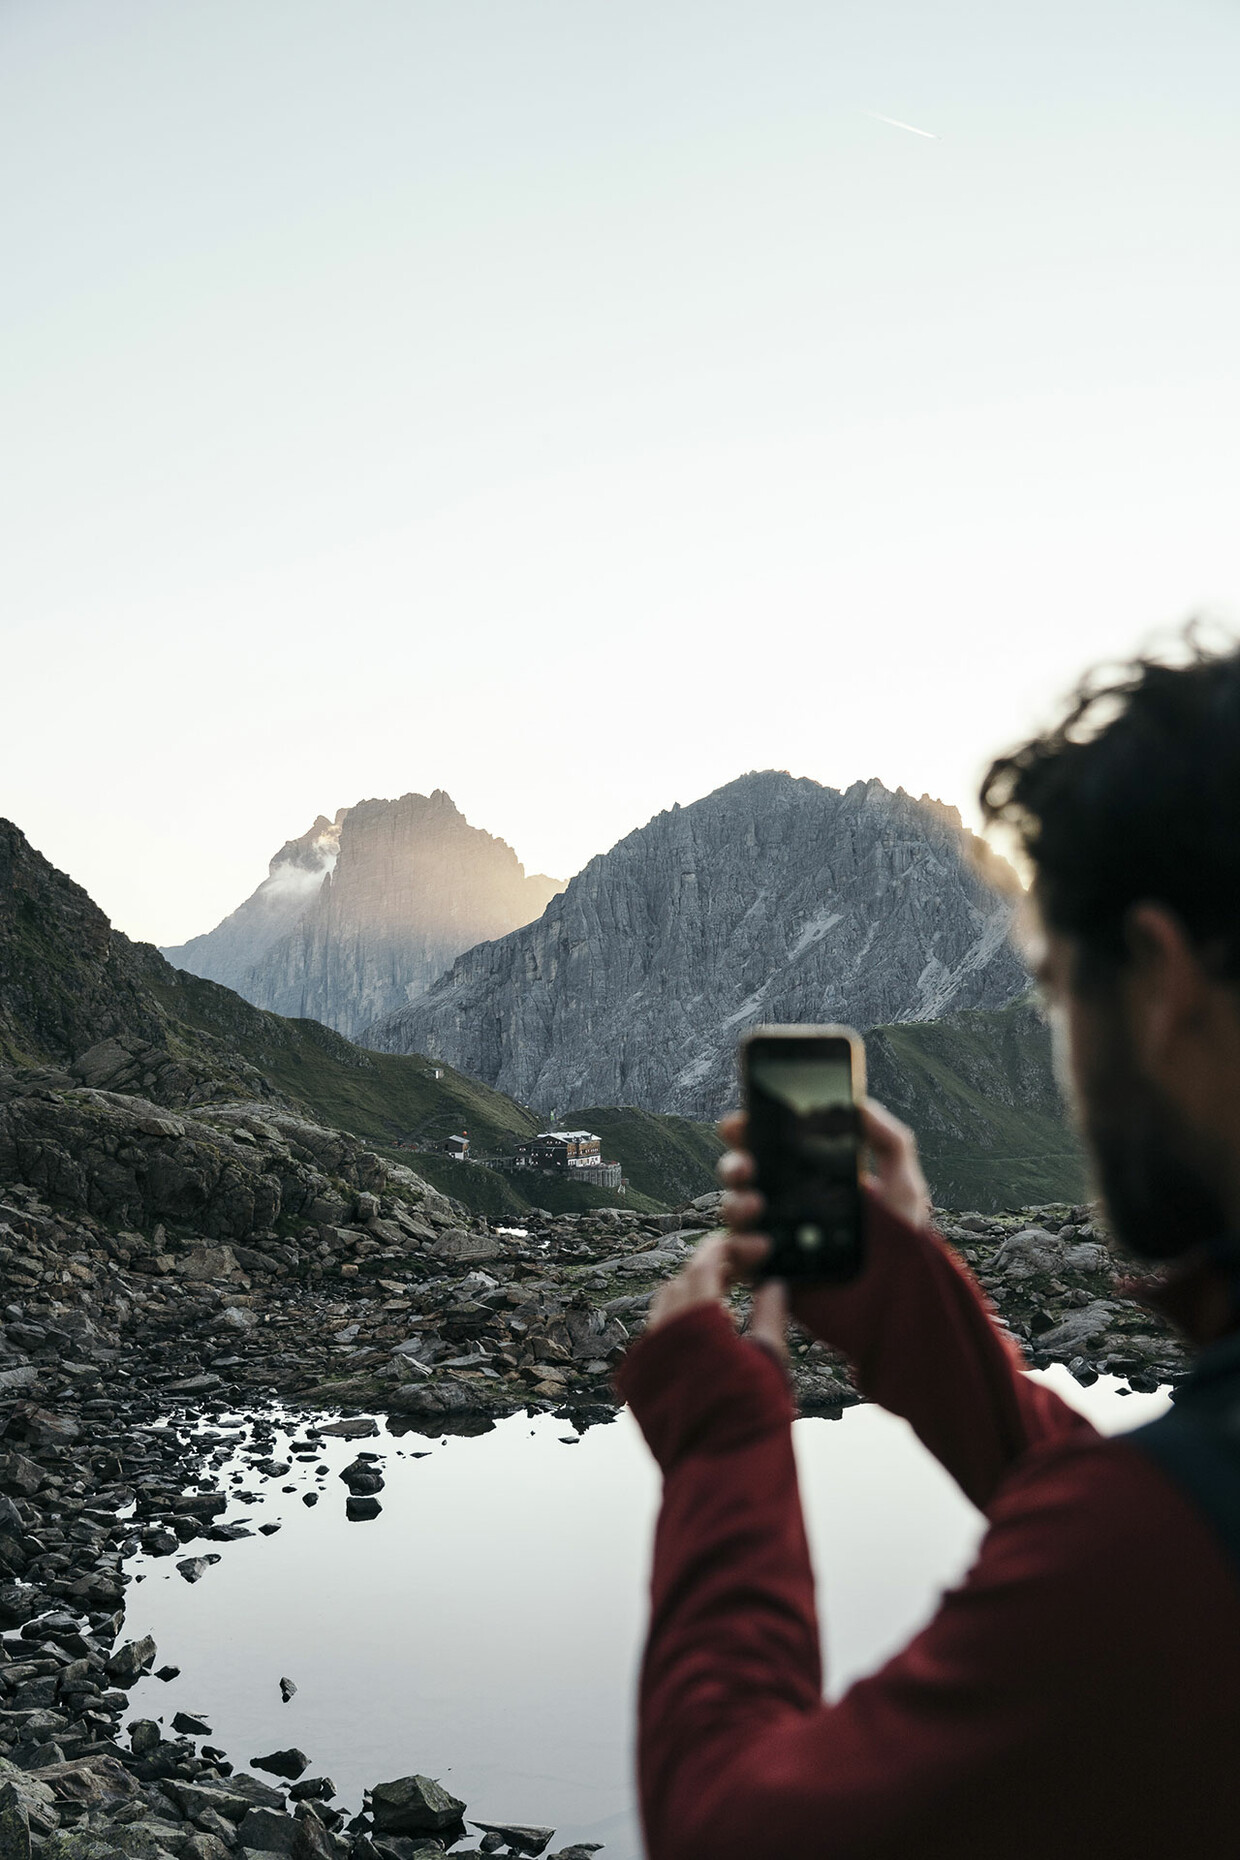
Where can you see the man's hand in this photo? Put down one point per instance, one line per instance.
(896, 1179)
(722, 1261)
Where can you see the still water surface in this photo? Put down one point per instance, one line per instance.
(485, 1628)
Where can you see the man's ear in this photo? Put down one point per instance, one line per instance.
(1166, 986)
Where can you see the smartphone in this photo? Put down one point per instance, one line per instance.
(802, 1088)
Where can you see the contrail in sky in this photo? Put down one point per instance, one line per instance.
(912, 128)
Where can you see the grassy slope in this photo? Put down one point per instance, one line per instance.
(977, 1088)
(387, 1098)
(505, 1196)
(670, 1159)
(979, 1091)
(666, 1161)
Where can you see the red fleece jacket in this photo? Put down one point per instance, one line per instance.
(1079, 1694)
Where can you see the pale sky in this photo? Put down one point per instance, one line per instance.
(573, 405)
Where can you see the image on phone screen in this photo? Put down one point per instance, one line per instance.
(804, 1134)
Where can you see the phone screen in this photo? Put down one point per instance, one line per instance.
(805, 1138)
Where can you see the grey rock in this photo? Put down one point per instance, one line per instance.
(202, 1263)
(147, 1839)
(45, 1429)
(93, 1781)
(269, 1831)
(363, 1476)
(457, 1243)
(516, 1835)
(211, 1822)
(194, 1568)
(291, 1763)
(773, 899)
(236, 1317)
(20, 1475)
(1087, 1256)
(205, 1846)
(413, 1805)
(145, 1737)
(232, 1796)
(352, 1427)
(1079, 1327)
(130, 1660)
(35, 1798)
(1029, 1251)
(191, 1724)
(14, 1825)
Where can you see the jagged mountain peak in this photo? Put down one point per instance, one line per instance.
(771, 898)
(362, 912)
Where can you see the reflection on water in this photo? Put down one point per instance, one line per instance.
(485, 1627)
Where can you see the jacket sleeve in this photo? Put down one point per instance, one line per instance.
(737, 1752)
(924, 1344)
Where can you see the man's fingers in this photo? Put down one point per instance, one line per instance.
(741, 1208)
(733, 1129)
(885, 1134)
(735, 1168)
(707, 1268)
(746, 1253)
(721, 1261)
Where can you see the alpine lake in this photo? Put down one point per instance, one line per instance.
(484, 1628)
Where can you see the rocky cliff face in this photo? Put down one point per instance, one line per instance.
(67, 980)
(228, 953)
(361, 915)
(78, 994)
(773, 899)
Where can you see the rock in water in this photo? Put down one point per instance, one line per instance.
(313, 1789)
(129, 1661)
(359, 1510)
(191, 1724)
(195, 1567)
(287, 1689)
(290, 1763)
(362, 1479)
(516, 1836)
(413, 1805)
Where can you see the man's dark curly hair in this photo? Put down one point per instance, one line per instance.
(1135, 798)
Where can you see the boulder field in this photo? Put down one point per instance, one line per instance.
(163, 1272)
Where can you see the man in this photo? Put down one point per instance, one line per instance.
(1079, 1694)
